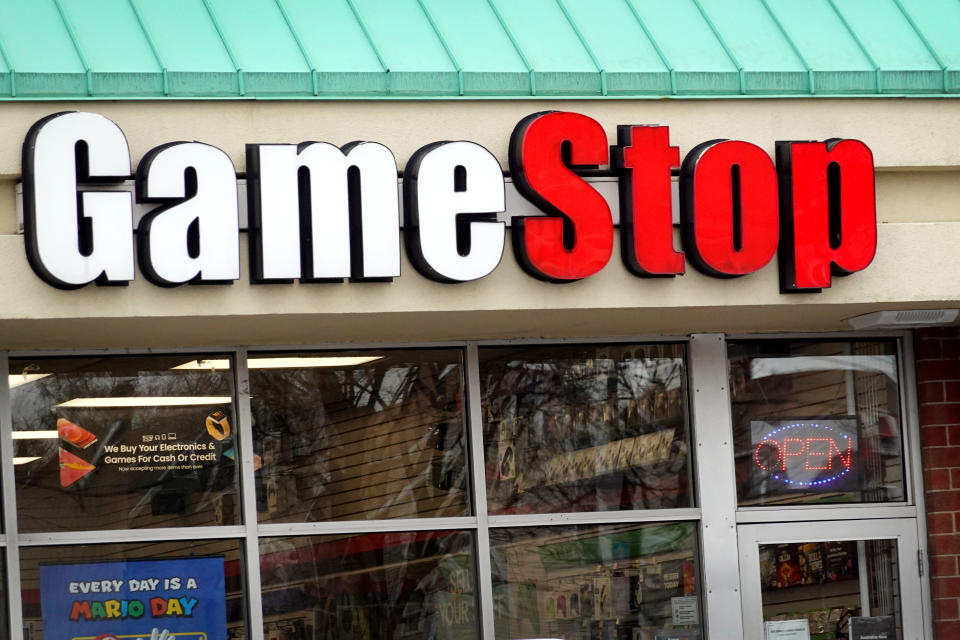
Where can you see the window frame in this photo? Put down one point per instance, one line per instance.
(913, 508)
(910, 453)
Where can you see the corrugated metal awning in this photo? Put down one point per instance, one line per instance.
(476, 48)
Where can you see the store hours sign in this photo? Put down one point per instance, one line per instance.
(321, 213)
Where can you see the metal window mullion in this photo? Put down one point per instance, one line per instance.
(594, 517)
(864, 577)
(8, 482)
(229, 350)
(478, 482)
(910, 421)
(360, 527)
(588, 340)
(129, 535)
(357, 346)
(716, 488)
(873, 334)
(106, 352)
(411, 344)
(823, 513)
(248, 495)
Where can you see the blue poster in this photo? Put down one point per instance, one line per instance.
(173, 599)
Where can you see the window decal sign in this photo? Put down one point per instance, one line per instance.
(805, 454)
(182, 598)
(107, 455)
(320, 213)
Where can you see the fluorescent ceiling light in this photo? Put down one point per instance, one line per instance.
(17, 379)
(157, 401)
(35, 435)
(283, 363)
(904, 318)
(25, 459)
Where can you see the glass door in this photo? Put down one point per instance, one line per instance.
(831, 580)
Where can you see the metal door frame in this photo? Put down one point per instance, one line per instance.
(904, 531)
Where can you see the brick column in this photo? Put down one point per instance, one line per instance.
(938, 391)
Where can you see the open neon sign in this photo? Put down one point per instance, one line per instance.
(806, 454)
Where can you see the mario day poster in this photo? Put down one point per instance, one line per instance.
(176, 599)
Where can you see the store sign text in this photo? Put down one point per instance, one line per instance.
(319, 213)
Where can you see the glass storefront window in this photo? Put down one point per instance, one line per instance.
(611, 582)
(123, 442)
(816, 422)
(382, 586)
(831, 588)
(193, 589)
(359, 435)
(585, 428)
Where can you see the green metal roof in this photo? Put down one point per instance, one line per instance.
(476, 48)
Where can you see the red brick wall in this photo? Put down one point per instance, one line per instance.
(938, 391)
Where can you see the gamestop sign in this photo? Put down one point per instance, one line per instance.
(321, 213)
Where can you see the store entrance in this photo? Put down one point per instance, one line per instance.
(839, 580)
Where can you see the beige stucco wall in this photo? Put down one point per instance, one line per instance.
(915, 145)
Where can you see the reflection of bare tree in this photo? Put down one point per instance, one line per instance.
(378, 440)
(415, 586)
(583, 424)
